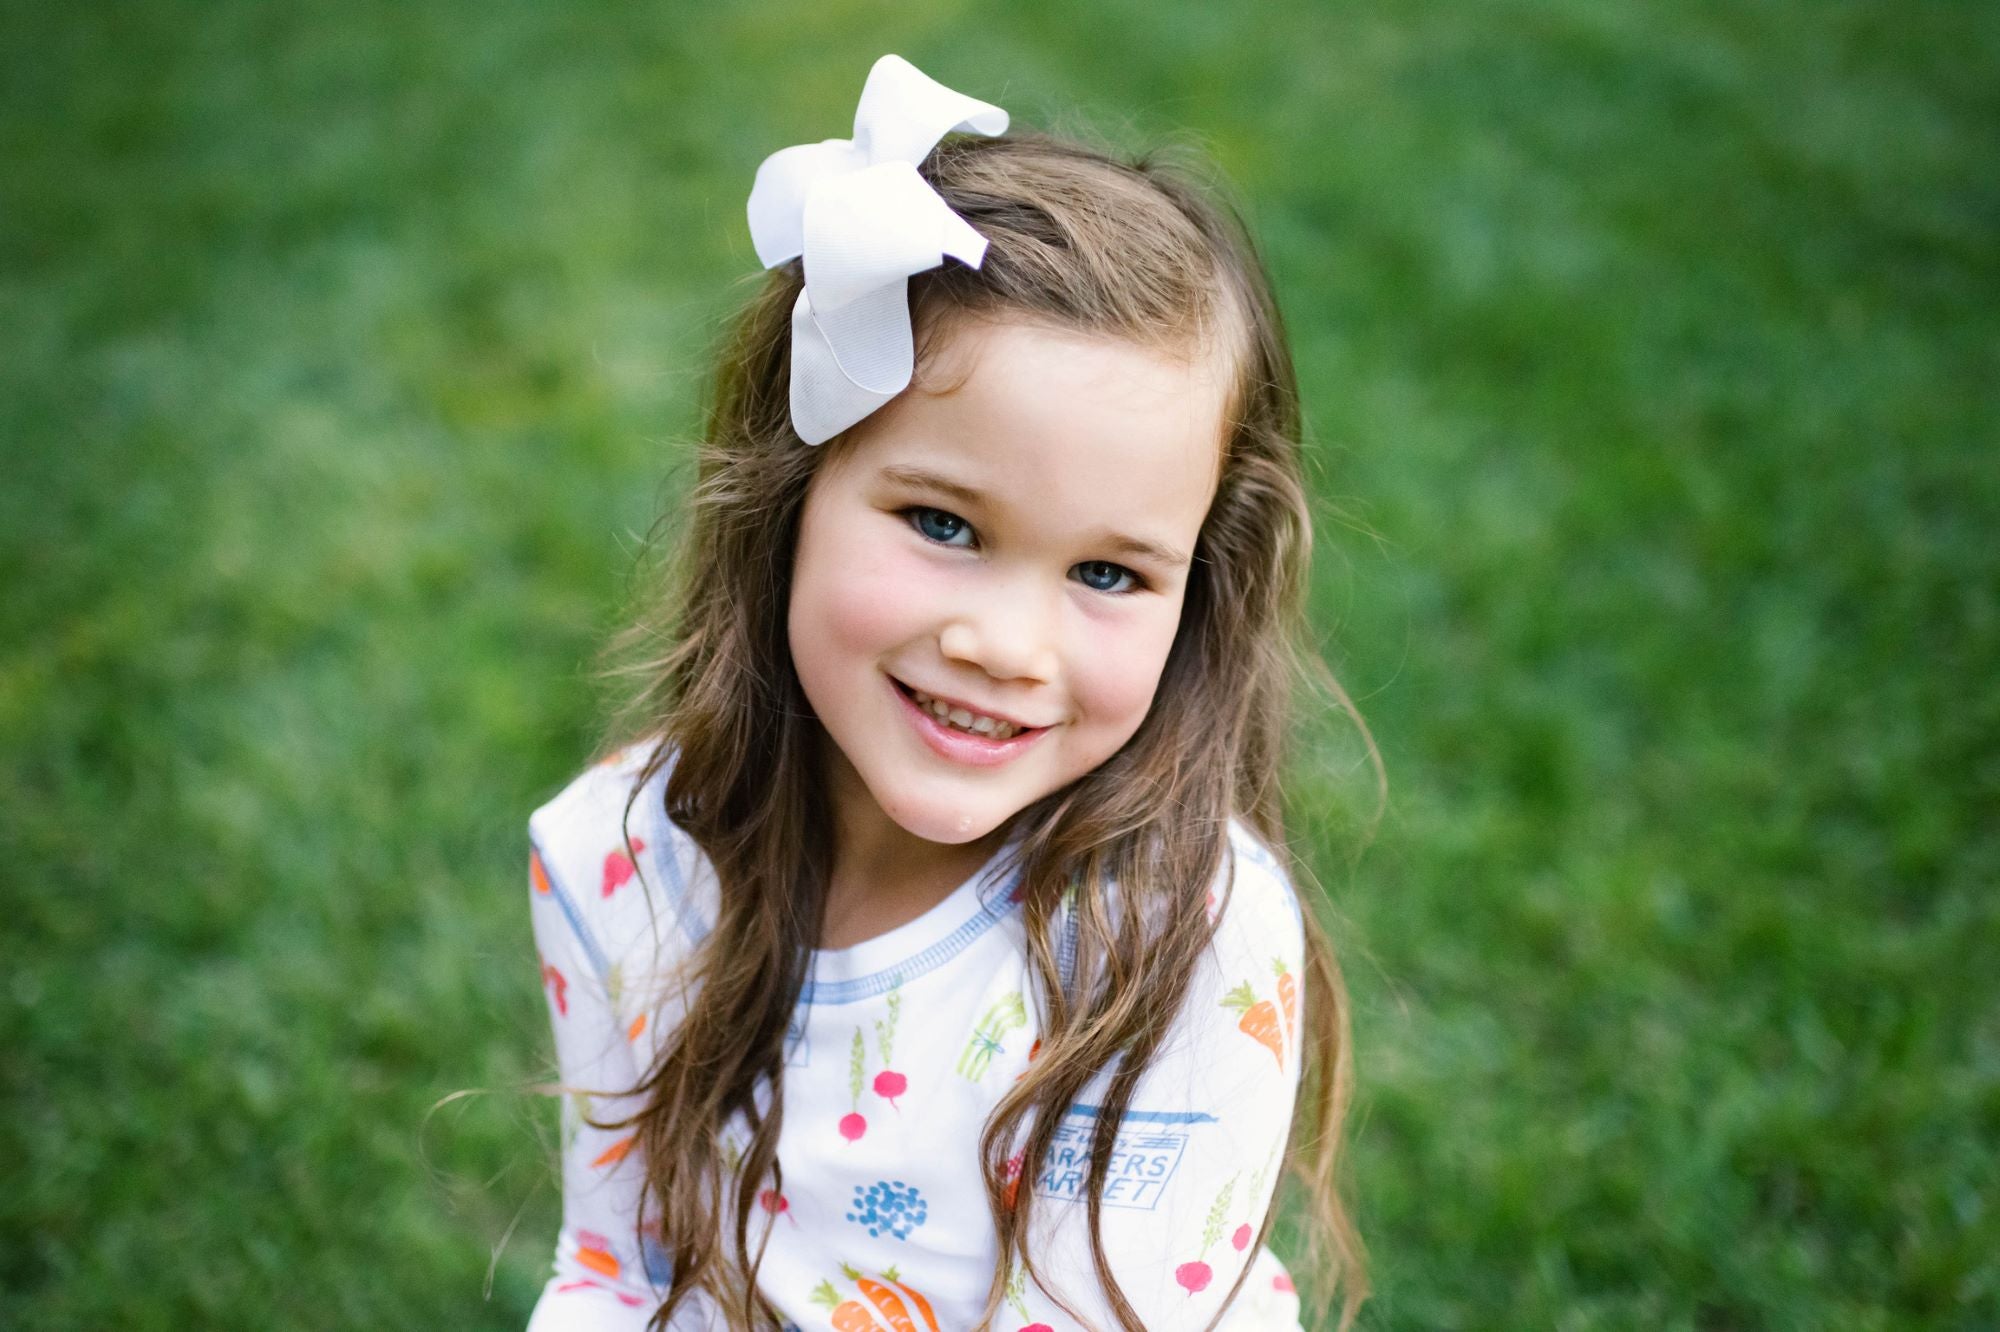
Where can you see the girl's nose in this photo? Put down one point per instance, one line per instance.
(1012, 639)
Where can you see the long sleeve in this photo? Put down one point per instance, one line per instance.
(1200, 1149)
(600, 1282)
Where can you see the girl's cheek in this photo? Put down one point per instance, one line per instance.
(1116, 670)
(879, 598)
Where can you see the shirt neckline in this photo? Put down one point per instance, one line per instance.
(981, 898)
(873, 966)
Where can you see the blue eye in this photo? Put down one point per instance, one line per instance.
(941, 527)
(1093, 570)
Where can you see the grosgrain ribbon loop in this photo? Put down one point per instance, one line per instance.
(864, 221)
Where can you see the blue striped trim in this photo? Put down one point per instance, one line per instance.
(667, 841)
(995, 906)
(1146, 1116)
(577, 925)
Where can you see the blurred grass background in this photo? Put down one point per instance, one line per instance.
(349, 351)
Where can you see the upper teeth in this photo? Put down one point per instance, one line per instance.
(963, 720)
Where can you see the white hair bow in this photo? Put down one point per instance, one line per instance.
(865, 221)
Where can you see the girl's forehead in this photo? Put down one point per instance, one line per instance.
(1066, 417)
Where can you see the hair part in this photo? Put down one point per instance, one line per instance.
(1079, 240)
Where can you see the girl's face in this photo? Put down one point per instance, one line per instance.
(1015, 547)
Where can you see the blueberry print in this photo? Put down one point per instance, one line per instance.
(889, 1205)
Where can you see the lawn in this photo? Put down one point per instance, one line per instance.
(1652, 359)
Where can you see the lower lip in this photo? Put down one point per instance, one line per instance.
(963, 746)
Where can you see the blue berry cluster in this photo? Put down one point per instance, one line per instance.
(889, 1205)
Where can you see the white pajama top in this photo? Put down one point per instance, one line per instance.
(900, 1047)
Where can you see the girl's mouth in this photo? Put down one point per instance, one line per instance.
(964, 738)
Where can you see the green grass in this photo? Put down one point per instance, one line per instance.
(348, 351)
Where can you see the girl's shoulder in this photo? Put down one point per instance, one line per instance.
(620, 871)
(1255, 898)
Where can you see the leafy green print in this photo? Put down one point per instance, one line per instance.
(854, 1123)
(885, 1032)
(1017, 1282)
(1007, 1013)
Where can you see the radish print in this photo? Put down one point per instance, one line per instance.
(890, 1084)
(774, 1202)
(559, 994)
(1259, 1020)
(1195, 1276)
(1007, 1013)
(1241, 1239)
(618, 867)
(853, 1125)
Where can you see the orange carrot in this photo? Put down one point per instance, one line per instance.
(893, 1310)
(853, 1316)
(1288, 995)
(598, 1260)
(539, 875)
(638, 1025)
(923, 1305)
(615, 1153)
(1259, 1020)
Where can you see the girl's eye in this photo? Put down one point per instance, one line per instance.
(1103, 576)
(946, 528)
(941, 527)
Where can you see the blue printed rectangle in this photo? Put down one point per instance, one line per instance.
(1142, 1163)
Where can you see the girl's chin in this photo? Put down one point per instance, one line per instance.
(950, 825)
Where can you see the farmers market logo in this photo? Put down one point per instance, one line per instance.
(1149, 1149)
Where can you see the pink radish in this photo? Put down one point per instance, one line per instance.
(618, 867)
(1194, 1276)
(774, 1202)
(1283, 1283)
(1241, 1237)
(852, 1126)
(889, 1085)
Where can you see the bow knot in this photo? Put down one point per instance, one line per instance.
(864, 221)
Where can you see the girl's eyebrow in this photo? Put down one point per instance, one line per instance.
(924, 478)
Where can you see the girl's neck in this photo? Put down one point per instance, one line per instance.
(883, 875)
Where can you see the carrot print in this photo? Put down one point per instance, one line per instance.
(853, 1125)
(638, 1026)
(1288, 996)
(890, 1084)
(894, 1312)
(616, 1152)
(845, 1315)
(923, 1306)
(618, 867)
(1014, 1176)
(594, 1252)
(536, 874)
(1195, 1276)
(1259, 1020)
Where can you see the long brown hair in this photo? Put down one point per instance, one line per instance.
(1079, 239)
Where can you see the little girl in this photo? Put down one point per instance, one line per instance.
(929, 961)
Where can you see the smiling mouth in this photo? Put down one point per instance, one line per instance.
(963, 721)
